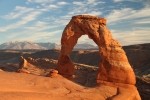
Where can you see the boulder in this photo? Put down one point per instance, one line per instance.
(27, 67)
(53, 73)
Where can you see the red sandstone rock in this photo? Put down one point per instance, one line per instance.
(67, 67)
(23, 71)
(114, 68)
(114, 65)
(26, 67)
(53, 73)
(23, 63)
(1, 70)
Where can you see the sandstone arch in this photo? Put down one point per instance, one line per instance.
(114, 65)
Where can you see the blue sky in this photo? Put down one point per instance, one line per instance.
(44, 20)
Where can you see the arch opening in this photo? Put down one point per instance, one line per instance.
(85, 58)
(85, 43)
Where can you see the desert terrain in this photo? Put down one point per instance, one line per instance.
(38, 83)
(74, 50)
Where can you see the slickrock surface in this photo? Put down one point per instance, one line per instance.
(85, 75)
(113, 66)
(22, 86)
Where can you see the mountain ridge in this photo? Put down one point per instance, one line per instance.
(27, 45)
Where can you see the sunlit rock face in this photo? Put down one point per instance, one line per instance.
(113, 66)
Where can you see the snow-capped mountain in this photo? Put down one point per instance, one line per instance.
(25, 45)
(85, 46)
(49, 45)
(20, 45)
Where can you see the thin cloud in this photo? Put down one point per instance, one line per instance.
(91, 1)
(18, 12)
(145, 2)
(52, 6)
(40, 36)
(62, 3)
(131, 0)
(82, 7)
(40, 1)
(95, 13)
(78, 3)
(127, 14)
(142, 21)
(35, 35)
(120, 0)
(24, 20)
(40, 26)
(136, 33)
(132, 37)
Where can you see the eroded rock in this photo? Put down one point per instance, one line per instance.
(114, 68)
(37, 66)
(27, 67)
(114, 65)
(53, 73)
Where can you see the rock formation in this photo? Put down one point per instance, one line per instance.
(114, 68)
(53, 73)
(39, 66)
(27, 67)
(114, 65)
(1, 70)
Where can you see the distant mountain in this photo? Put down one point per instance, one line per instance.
(49, 45)
(85, 46)
(41, 46)
(21, 45)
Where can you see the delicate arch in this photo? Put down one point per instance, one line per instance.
(114, 65)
